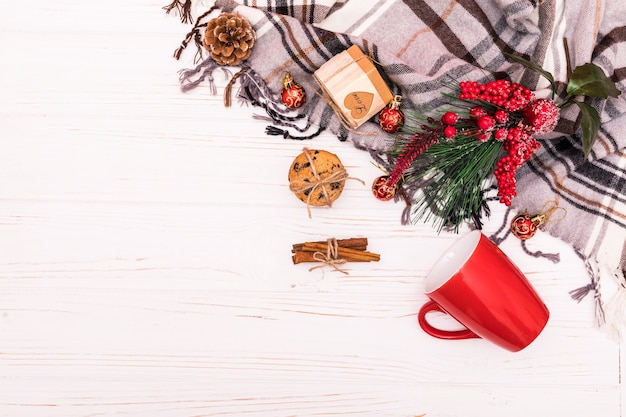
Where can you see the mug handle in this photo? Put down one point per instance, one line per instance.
(438, 333)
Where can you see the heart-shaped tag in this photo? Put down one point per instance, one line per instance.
(359, 103)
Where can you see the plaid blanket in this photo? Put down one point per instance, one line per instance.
(423, 44)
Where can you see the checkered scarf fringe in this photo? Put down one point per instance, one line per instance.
(424, 44)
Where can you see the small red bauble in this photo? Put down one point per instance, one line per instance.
(391, 117)
(524, 226)
(381, 190)
(293, 95)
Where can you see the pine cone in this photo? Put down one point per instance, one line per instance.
(229, 39)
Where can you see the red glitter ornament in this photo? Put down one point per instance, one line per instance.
(293, 95)
(391, 117)
(382, 190)
(525, 226)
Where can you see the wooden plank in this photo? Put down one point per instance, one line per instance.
(145, 256)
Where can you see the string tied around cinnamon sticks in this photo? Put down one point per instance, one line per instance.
(333, 252)
(308, 187)
(330, 258)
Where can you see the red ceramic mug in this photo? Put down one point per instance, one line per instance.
(479, 286)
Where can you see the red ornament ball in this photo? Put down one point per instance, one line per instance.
(390, 120)
(382, 190)
(391, 117)
(293, 95)
(523, 227)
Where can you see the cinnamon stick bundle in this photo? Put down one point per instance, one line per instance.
(348, 250)
(359, 243)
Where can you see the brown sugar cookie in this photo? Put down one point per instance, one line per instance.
(317, 177)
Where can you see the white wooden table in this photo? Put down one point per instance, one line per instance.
(145, 265)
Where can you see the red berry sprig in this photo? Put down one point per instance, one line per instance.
(417, 145)
(537, 116)
(502, 93)
(449, 119)
(461, 152)
(520, 146)
(507, 112)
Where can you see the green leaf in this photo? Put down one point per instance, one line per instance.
(589, 80)
(533, 67)
(590, 124)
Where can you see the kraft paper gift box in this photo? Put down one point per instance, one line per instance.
(354, 87)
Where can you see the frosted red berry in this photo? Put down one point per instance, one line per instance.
(500, 134)
(485, 123)
(477, 112)
(501, 116)
(519, 97)
(449, 132)
(542, 115)
(449, 118)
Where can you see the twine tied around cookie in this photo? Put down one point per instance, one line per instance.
(308, 187)
(330, 258)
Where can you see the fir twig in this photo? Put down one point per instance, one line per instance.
(453, 177)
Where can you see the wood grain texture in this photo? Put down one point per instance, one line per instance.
(145, 256)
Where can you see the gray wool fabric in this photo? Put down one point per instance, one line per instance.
(423, 45)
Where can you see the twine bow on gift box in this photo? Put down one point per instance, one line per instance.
(353, 87)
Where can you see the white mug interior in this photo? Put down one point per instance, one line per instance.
(451, 261)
